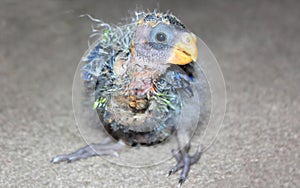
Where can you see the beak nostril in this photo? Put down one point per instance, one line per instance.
(186, 53)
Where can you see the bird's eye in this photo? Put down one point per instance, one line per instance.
(161, 37)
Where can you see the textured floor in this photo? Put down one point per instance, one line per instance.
(256, 42)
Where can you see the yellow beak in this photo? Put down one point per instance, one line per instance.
(185, 51)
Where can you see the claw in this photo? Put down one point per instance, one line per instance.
(58, 159)
(184, 162)
(180, 182)
(177, 167)
(103, 148)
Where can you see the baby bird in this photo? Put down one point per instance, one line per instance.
(141, 75)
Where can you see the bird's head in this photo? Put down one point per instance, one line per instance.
(161, 40)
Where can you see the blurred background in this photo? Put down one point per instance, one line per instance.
(257, 44)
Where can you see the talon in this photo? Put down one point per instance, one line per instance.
(58, 159)
(91, 150)
(179, 184)
(181, 180)
(184, 161)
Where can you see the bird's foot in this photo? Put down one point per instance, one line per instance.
(184, 162)
(107, 147)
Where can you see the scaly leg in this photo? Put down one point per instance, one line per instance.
(107, 147)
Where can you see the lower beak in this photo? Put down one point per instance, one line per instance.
(185, 51)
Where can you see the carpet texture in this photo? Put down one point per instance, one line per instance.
(256, 42)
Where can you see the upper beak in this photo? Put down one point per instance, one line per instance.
(185, 51)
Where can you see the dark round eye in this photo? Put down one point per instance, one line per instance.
(161, 37)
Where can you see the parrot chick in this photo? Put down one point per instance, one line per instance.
(138, 84)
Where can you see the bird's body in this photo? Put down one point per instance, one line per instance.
(140, 76)
(136, 112)
(138, 84)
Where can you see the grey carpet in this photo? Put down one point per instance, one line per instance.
(256, 43)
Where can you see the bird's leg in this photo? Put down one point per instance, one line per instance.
(107, 147)
(184, 161)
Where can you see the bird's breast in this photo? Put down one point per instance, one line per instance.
(145, 111)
